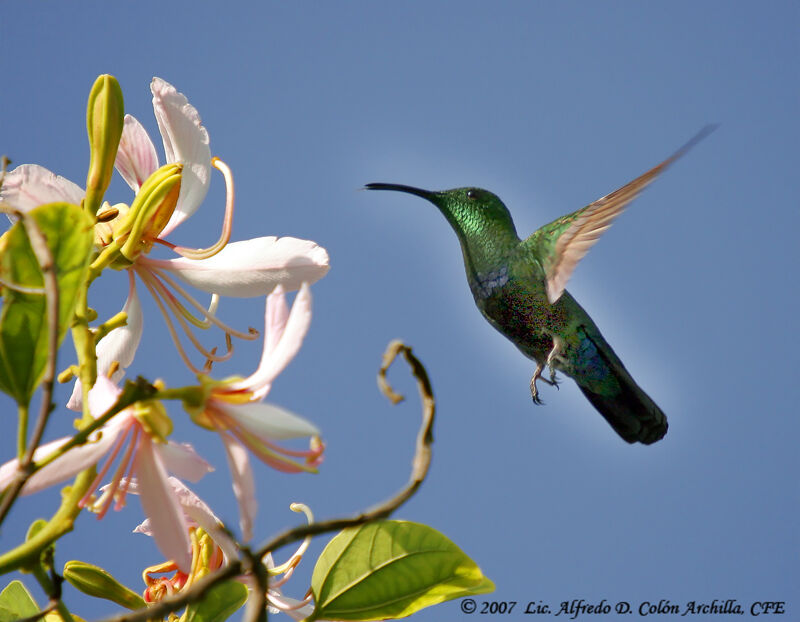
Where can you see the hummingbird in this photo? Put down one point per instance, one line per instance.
(518, 286)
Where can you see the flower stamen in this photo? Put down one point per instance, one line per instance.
(174, 305)
(227, 224)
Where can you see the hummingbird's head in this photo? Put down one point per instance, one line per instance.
(472, 212)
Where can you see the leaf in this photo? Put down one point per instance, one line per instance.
(219, 603)
(16, 602)
(391, 569)
(23, 321)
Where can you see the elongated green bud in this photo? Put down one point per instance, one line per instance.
(96, 582)
(104, 119)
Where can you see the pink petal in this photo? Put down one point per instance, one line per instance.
(182, 460)
(136, 156)
(65, 467)
(185, 141)
(170, 530)
(31, 185)
(243, 484)
(252, 267)
(288, 346)
(119, 345)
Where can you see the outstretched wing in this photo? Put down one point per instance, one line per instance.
(563, 243)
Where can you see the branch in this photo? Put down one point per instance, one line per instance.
(419, 470)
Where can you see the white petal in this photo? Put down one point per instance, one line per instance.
(243, 484)
(185, 141)
(182, 460)
(103, 396)
(291, 608)
(167, 522)
(65, 467)
(252, 267)
(196, 510)
(276, 314)
(30, 185)
(136, 156)
(143, 527)
(267, 421)
(119, 345)
(288, 346)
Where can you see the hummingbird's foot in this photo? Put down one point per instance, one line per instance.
(537, 375)
(553, 381)
(551, 359)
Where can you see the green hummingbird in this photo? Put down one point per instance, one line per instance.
(518, 286)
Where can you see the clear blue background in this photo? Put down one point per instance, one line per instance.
(550, 105)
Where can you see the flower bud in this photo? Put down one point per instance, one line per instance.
(150, 211)
(96, 582)
(104, 120)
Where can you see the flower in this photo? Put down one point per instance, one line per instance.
(234, 408)
(139, 434)
(208, 556)
(210, 547)
(165, 197)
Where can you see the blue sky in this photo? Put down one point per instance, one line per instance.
(549, 105)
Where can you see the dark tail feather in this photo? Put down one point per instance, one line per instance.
(629, 410)
(632, 414)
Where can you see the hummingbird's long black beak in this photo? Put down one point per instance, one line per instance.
(425, 194)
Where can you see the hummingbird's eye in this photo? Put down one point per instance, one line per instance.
(471, 194)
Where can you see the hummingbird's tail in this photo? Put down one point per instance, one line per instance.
(629, 410)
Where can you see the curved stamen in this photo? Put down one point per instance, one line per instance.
(178, 307)
(170, 326)
(126, 481)
(268, 455)
(309, 454)
(209, 314)
(222, 421)
(125, 464)
(112, 454)
(288, 566)
(227, 224)
(174, 305)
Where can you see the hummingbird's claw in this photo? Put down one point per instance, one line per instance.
(537, 375)
(551, 359)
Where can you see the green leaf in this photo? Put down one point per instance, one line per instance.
(391, 569)
(16, 603)
(219, 603)
(23, 321)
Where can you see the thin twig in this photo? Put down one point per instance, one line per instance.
(256, 608)
(419, 470)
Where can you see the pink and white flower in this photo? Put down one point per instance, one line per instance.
(198, 514)
(248, 268)
(137, 435)
(235, 410)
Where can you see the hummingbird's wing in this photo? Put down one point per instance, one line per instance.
(563, 243)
